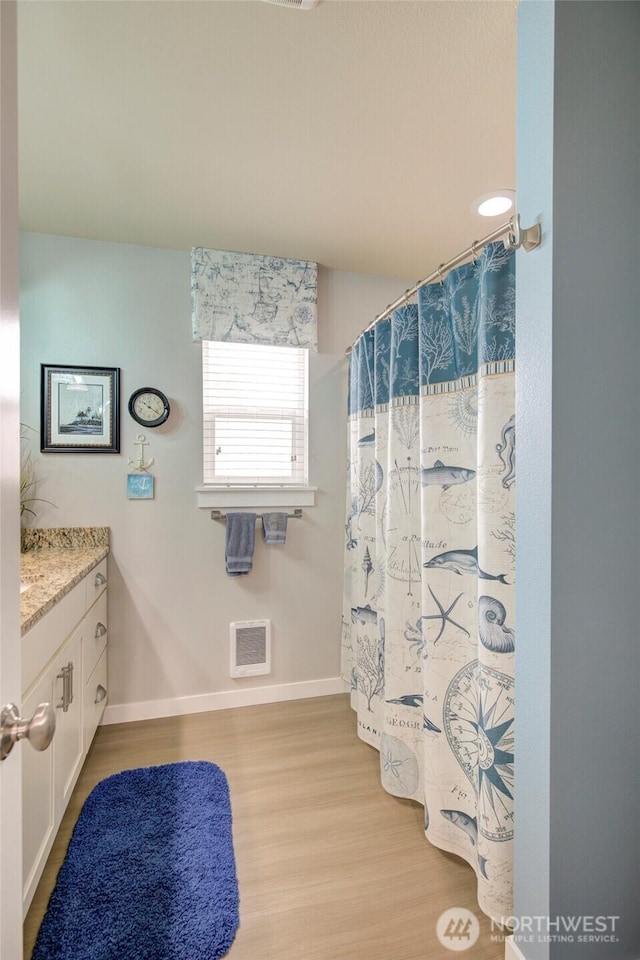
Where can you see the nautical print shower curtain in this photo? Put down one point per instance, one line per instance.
(428, 638)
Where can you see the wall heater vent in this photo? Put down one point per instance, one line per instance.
(250, 648)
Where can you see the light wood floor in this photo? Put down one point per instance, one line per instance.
(330, 867)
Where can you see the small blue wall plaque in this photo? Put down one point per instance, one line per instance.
(139, 486)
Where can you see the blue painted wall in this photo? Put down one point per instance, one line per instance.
(578, 714)
(533, 508)
(170, 601)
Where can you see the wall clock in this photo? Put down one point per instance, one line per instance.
(149, 406)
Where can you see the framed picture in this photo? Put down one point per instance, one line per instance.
(79, 409)
(139, 486)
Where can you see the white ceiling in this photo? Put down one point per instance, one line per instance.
(356, 134)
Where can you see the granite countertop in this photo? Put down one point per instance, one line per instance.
(53, 561)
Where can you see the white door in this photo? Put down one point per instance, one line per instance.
(10, 769)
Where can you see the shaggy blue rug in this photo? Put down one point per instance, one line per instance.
(149, 873)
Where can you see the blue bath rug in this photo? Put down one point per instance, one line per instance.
(149, 873)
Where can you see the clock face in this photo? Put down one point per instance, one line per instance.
(149, 406)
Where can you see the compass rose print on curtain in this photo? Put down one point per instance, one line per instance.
(428, 621)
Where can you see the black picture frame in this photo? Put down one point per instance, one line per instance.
(79, 409)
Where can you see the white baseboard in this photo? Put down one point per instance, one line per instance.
(512, 951)
(202, 703)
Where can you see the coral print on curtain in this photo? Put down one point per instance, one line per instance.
(428, 620)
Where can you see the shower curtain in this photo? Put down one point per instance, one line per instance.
(428, 638)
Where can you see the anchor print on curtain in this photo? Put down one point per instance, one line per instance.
(428, 619)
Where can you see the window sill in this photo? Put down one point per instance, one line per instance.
(236, 497)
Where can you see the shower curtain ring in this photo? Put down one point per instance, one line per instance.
(475, 253)
(440, 273)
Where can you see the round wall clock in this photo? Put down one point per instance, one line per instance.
(149, 406)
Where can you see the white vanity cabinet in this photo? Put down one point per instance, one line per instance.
(38, 817)
(68, 750)
(64, 660)
(94, 669)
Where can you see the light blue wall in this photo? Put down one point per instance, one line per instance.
(170, 602)
(578, 716)
(534, 178)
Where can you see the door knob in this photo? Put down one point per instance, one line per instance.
(38, 731)
(100, 579)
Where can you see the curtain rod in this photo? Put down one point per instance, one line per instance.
(514, 236)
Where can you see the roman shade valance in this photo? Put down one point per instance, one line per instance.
(247, 298)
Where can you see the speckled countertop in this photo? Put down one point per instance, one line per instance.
(53, 560)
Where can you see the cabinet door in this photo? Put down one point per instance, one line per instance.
(69, 739)
(38, 814)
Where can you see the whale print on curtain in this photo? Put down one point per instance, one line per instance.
(428, 619)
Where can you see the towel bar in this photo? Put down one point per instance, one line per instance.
(222, 515)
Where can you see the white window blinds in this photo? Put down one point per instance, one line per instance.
(254, 414)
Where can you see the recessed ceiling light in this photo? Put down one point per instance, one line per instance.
(495, 203)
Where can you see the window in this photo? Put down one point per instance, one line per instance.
(254, 414)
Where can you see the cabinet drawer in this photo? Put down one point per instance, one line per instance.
(96, 582)
(95, 636)
(96, 684)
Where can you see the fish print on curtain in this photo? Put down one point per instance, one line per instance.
(428, 619)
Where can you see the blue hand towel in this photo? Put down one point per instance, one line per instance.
(241, 538)
(274, 527)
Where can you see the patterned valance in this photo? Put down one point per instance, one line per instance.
(245, 298)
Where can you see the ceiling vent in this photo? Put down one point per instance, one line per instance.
(297, 4)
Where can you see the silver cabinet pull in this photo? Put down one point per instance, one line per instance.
(100, 693)
(100, 579)
(38, 731)
(66, 675)
(100, 630)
